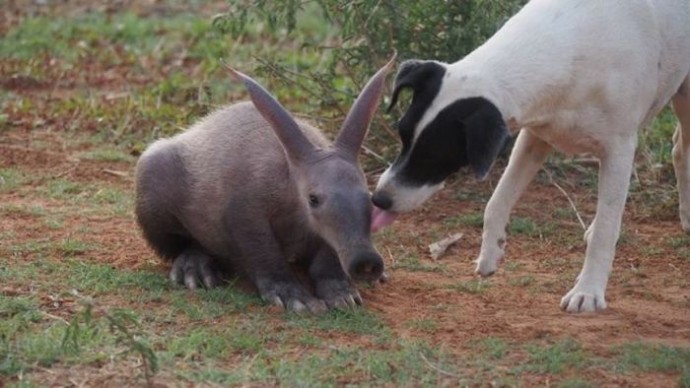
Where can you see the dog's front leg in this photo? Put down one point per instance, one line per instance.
(526, 159)
(614, 180)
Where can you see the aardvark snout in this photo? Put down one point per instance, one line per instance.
(367, 267)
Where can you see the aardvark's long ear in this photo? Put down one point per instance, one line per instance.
(357, 122)
(295, 143)
(414, 74)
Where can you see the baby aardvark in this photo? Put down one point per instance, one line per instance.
(249, 189)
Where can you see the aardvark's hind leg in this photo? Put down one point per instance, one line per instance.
(194, 267)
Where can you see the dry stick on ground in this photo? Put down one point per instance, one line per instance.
(371, 152)
(121, 174)
(572, 204)
(434, 367)
(55, 317)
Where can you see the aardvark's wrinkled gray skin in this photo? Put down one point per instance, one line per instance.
(249, 189)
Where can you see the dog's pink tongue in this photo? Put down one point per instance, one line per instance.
(381, 218)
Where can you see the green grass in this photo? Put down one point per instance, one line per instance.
(135, 116)
(230, 337)
(415, 264)
(475, 286)
(642, 357)
(107, 155)
(10, 178)
(522, 225)
(556, 358)
(680, 243)
(656, 142)
(494, 348)
(475, 220)
(575, 382)
(258, 343)
(521, 281)
(422, 324)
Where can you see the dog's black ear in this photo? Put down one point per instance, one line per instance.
(485, 136)
(413, 74)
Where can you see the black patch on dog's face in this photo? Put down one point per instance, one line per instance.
(424, 78)
(470, 131)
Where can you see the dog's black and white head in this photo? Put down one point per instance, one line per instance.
(447, 126)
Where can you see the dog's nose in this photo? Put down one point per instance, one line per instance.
(381, 200)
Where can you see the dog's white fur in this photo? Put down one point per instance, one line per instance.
(579, 76)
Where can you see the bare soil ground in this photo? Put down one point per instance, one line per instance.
(648, 294)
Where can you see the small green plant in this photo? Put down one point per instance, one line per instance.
(556, 358)
(635, 357)
(10, 178)
(475, 220)
(575, 383)
(493, 347)
(358, 320)
(526, 226)
(475, 286)
(62, 189)
(422, 324)
(71, 247)
(413, 263)
(123, 325)
(521, 281)
(107, 155)
(679, 242)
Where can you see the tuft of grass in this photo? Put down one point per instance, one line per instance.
(62, 189)
(70, 247)
(11, 178)
(200, 343)
(404, 363)
(107, 155)
(576, 382)
(475, 220)
(209, 304)
(642, 357)
(119, 202)
(556, 358)
(656, 142)
(356, 321)
(422, 324)
(522, 225)
(36, 247)
(474, 286)
(414, 264)
(493, 347)
(679, 242)
(522, 281)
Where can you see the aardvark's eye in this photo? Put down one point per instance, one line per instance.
(314, 201)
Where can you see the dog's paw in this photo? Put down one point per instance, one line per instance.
(685, 221)
(486, 267)
(489, 258)
(582, 299)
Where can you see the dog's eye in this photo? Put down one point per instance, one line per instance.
(314, 201)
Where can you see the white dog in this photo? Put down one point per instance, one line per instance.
(576, 76)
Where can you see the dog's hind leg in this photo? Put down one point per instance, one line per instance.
(526, 159)
(681, 151)
(614, 180)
